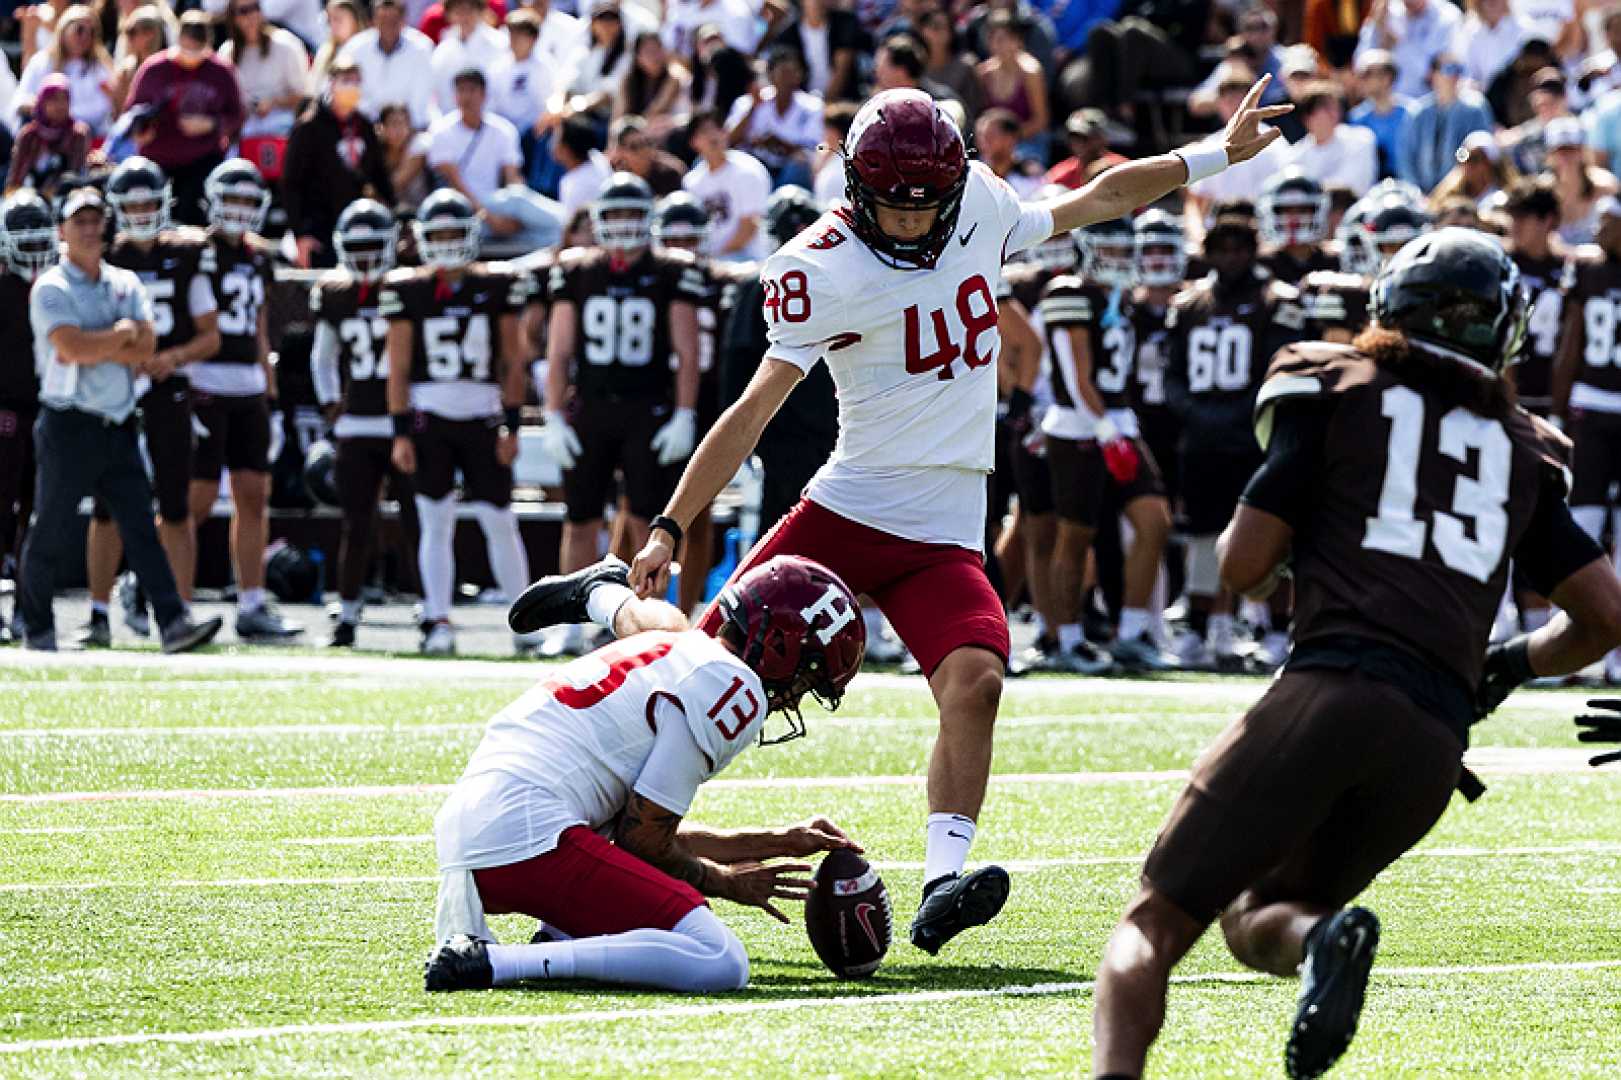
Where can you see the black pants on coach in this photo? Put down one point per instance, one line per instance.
(78, 454)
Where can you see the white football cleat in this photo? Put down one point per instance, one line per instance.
(439, 640)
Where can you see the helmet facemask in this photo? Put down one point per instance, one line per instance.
(238, 208)
(917, 253)
(1292, 217)
(367, 253)
(1109, 258)
(622, 225)
(446, 243)
(29, 252)
(1161, 260)
(1054, 253)
(141, 214)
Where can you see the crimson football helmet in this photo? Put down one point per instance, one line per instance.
(903, 151)
(800, 630)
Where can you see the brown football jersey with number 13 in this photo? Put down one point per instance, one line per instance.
(1419, 506)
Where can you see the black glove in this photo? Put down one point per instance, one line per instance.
(1508, 666)
(1019, 403)
(1601, 728)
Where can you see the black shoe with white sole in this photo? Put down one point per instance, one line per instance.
(462, 963)
(1333, 980)
(560, 598)
(953, 904)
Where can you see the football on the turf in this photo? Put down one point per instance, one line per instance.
(847, 915)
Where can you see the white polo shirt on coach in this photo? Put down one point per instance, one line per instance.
(478, 153)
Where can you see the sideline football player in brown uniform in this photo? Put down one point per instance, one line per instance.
(1404, 478)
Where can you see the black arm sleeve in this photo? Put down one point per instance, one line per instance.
(1286, 483)
(1553, 546)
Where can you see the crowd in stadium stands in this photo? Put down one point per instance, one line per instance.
(1501, 115)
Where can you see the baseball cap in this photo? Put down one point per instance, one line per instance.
(1563, 131)
(81, 198)
(1482, 141)
(1299, 60)
(1085, 122)
(1374, 59)
(1549, 78)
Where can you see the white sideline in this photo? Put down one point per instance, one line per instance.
(395, 669)
(1487, 761)
(1017, 866)
(241, 731)
(723, 1008)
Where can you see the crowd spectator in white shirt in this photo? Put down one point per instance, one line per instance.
(1244, 180)
(1332, 152)
(731, 185)
(468, 43)
(394, 61)
(345, 19)
(76, 53)
(562, 36)
(521, 81)
(1601, 71)
(477, 153)
(780, 124)
(1555, 22)
(584, 167)
(736, 20)
(521, 85)
(600, 72)
(1489, 38)
(305, 18)
(271, 66)
(1415, 32)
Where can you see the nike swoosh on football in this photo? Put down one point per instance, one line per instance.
(963, 240)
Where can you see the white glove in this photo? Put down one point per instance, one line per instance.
(674, 441)
(559, 440)
(1105, 431)
(278, 437)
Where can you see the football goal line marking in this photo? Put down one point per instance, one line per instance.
(724, 1008)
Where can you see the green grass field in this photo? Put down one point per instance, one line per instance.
(157, 918)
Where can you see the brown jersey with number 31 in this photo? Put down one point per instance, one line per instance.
(1419, 507)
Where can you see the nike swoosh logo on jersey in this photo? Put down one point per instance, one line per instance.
(963, 240)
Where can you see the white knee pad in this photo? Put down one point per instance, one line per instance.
(1204, 569)
(1590, 518)
(725, 964)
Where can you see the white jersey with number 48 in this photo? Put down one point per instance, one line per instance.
(913, 358)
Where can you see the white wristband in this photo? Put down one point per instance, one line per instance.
(1203, 159)
(1105, 430)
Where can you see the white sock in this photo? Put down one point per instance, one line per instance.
(949, 838)
(98, 607)
(250, 600)
(1133, 622)
(604, 602)
(436, 557)
(1069, 636)
(514, 963)
(701, 955)
(1536, 618)
(508, 559)
(350, 611)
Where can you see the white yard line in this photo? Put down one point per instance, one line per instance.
(721, 1008)
(1017, 866)
(242, 731)
(1488, 761)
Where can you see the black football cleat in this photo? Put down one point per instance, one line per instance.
(1334, 978)
(953, 904)
(343, 635)
(560, 598)
(462, 963)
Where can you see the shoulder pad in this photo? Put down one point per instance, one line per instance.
(1067, 300)
(1310, 369)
